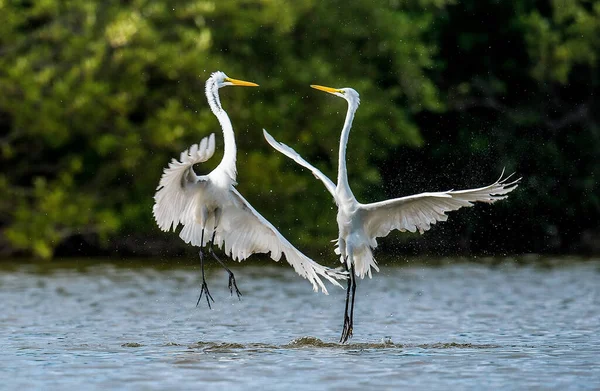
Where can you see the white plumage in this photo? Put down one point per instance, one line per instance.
(174, 200)
(210, 206)
(360, 224)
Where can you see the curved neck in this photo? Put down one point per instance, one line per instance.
(342, 181)
(229, 155)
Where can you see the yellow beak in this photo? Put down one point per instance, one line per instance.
(241, 83)
(326, 89)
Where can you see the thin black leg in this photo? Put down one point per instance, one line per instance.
(232, 283)
(204, 289)
(350, 329)
(347, 321)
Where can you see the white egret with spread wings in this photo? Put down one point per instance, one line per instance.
(361, 224)
(212, 211)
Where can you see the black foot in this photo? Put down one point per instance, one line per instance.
(347, 330)
(233, 285)
(204, 290)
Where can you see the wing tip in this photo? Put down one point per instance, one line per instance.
(268, 137)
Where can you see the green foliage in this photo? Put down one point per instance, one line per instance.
(567, 38)
(97, 97)
(522, 96)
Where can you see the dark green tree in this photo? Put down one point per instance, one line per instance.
(97, 97)
(519, 81)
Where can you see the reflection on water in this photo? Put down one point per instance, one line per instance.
(437, 324)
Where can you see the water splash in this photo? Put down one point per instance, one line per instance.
(314, 342)
(308, 341)
(132, 345)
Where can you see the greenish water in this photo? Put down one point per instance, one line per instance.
(440, 324)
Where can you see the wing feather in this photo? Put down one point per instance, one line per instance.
(174, 201)
(295, 156)
(242, 231)
(420, 211)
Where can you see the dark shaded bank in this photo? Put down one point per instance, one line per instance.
(190, 262)
(441, 241)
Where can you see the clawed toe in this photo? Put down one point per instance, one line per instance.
(233, 285)
(204, 290)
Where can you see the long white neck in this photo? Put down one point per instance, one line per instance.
(343, 186)
(229, 155)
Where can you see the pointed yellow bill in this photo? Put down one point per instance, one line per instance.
(242, 83)
(326, 89)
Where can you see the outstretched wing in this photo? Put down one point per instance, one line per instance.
(242, 231)
(418, 212)
(174, 202)
(289, 152)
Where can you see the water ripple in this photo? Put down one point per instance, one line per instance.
(501, 325)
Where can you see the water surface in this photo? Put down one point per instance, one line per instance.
(429, 325)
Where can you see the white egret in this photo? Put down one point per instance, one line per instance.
(360, 224)
(212, 211)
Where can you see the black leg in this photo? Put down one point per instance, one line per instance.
(347, 321)
(232, 284)
(204, 289)
(350, 329)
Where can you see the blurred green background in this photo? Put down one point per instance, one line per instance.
(97, 97)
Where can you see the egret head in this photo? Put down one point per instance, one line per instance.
(220, 79)
(217, 80)
(349, 94)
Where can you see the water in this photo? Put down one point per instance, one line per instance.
(452, 325)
